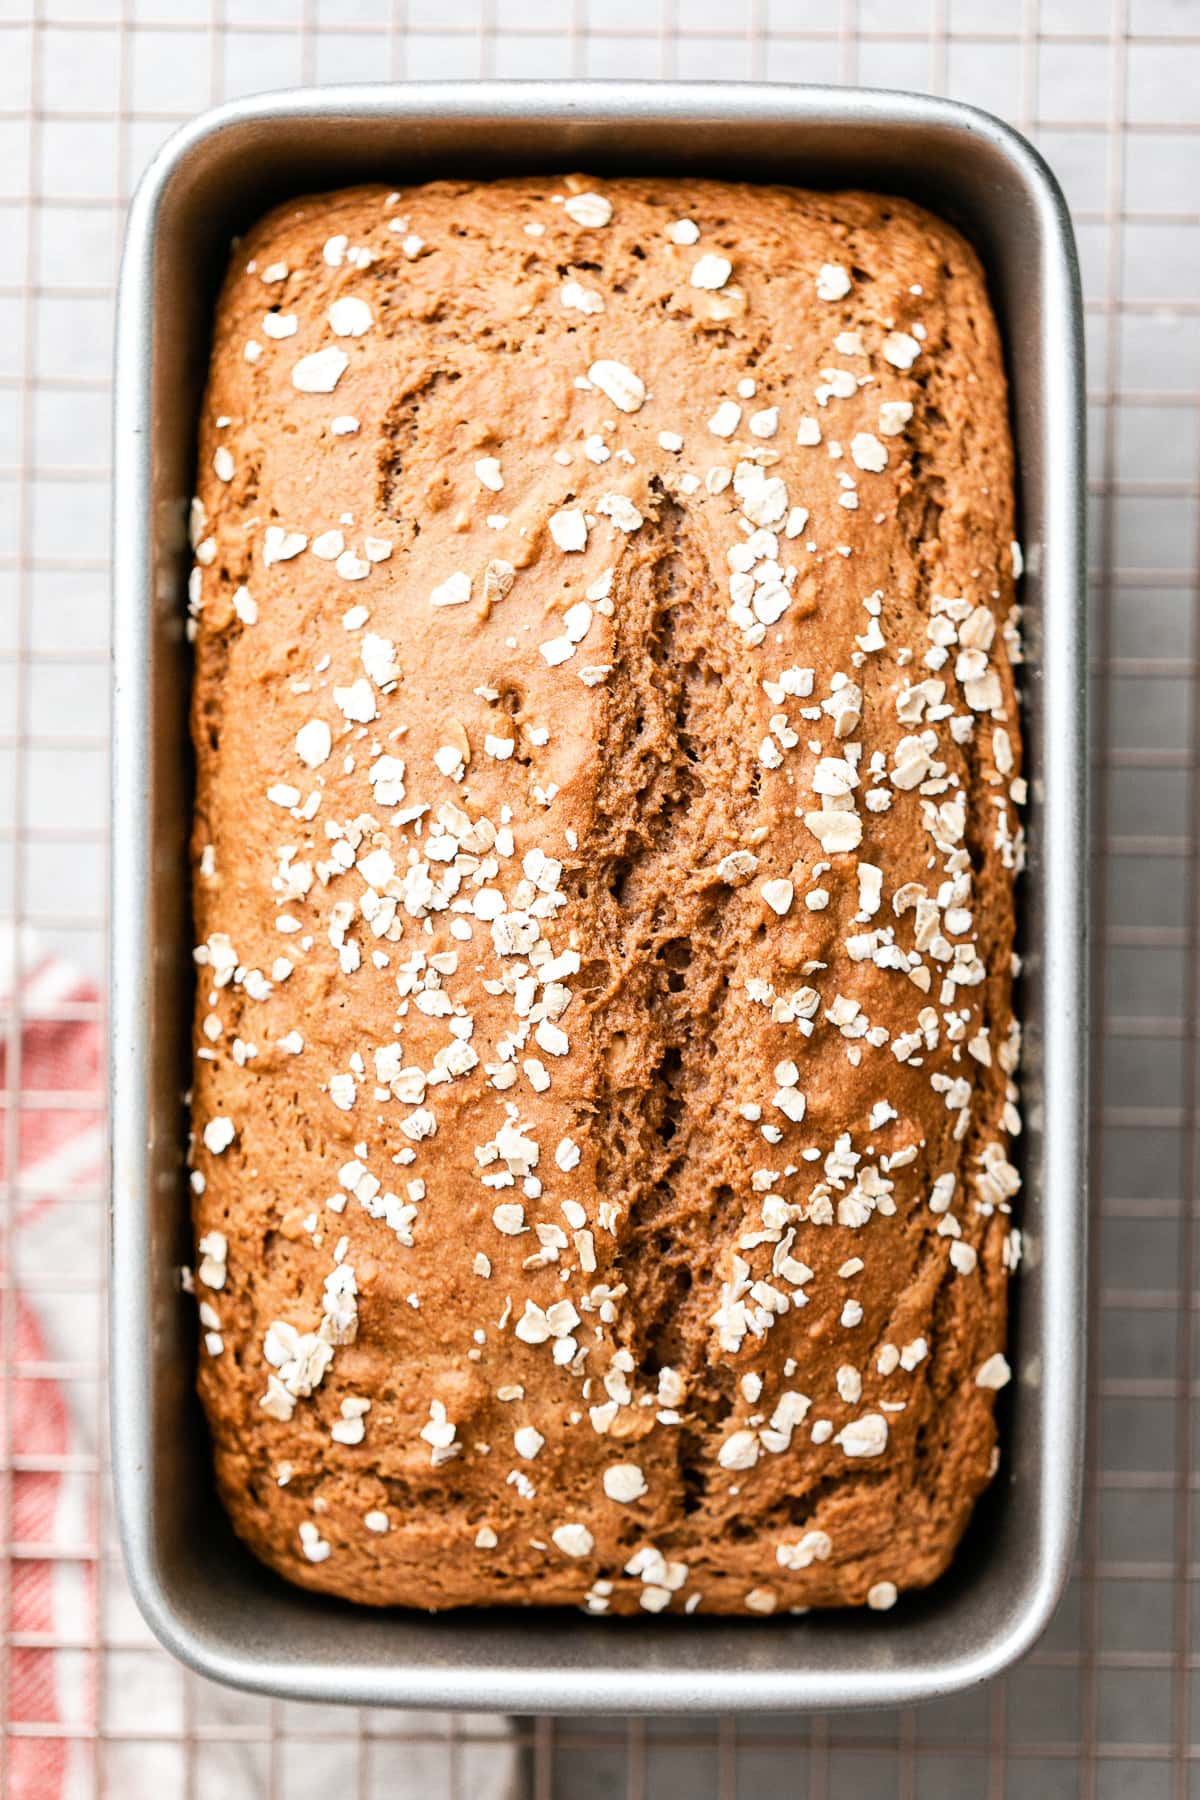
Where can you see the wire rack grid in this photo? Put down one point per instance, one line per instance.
(1108, 1702)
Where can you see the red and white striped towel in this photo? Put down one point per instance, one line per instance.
(53, 1259)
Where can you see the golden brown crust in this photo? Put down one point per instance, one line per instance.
(626, 1082)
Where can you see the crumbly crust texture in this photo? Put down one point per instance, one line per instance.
(608, 774)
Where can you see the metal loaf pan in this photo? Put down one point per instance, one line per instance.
(203, 1594)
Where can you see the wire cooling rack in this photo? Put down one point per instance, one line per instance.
(1107, 1704)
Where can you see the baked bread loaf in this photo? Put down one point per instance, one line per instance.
(606, 827)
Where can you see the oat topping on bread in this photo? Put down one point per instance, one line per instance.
(607, 818)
